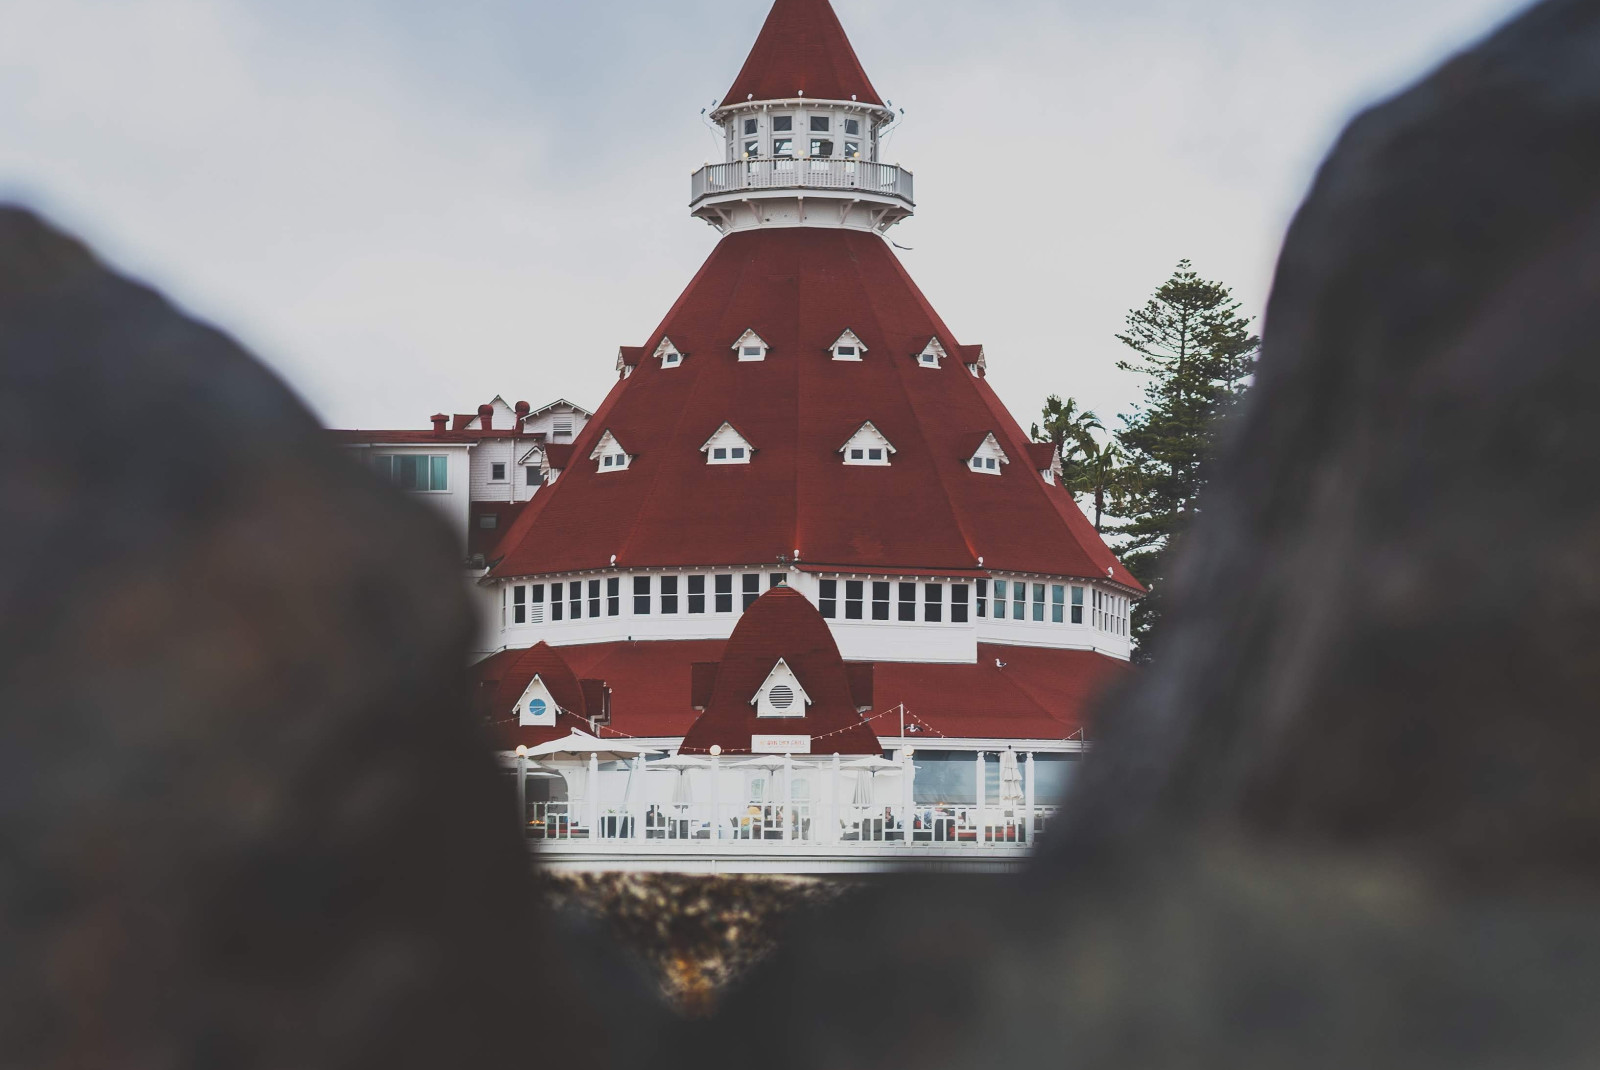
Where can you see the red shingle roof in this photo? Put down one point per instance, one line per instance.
(781, 624)
(799, 287)
(1042, 454)
(802, 51)
(1040, 693)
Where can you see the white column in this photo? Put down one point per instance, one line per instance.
(635, 822)
(907, 792)
(594, 796)
(831, 833)
(1028, 797)
(979, 793)
(522, 789)
(786, 815)
(716, 797)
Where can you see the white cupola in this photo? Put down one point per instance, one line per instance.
(608, 454)
(801, 130)
(780, 694)
(867, 446)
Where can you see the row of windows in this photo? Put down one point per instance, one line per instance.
(1016, 599)
(413, 471)
(667, 595)
(819, 124)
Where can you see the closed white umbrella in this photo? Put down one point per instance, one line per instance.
(863, 792)
(580, 745)
(1011, 792)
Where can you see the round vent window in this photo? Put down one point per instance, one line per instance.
(781, 696)
(536, 707)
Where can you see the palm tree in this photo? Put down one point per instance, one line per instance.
(1099, 473)
(1070, 430)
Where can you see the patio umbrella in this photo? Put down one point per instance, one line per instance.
(580, 745)
(682, 791)
(863, 792)
(876, 763)
(1010, 779)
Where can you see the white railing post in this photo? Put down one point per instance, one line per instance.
(1028, 802)
(522, 789)
(786, 815)
(831, 833)
(907, 792)
(716, 797)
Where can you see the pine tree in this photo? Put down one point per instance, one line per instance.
(1198, 354)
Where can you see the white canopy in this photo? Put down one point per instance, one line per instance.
(875, 763)
(581, 745)
(680, 761)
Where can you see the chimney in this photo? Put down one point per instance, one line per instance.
(486, 417)
(439, 420)
(523, 408)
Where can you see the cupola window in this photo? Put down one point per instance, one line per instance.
(750, 127)
(852, 127)
(820, 124)
(608, 454)
(782, 124)
(750, 346)
(988, 456)
(848, 347)
(867, 446)
(781, 694)
(727, 446)
(668, 354)
(931, 354)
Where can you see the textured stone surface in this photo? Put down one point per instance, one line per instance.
(247, 821)
(1351, 818)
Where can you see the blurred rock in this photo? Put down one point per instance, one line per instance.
(1351, 818)
(247, 820)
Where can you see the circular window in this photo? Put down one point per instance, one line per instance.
(536, 707)
(781, 696)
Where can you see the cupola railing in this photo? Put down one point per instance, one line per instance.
(881, 179)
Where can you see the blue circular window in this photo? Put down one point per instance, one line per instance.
(536, 707)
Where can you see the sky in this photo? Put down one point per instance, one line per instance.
(407, 207)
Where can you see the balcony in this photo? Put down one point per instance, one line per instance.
(876, 181)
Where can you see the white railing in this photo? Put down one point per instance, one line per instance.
(734, 824)
(882, 179)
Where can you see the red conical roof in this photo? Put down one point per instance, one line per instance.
(802, 51)
(799, 288)
(781, 624)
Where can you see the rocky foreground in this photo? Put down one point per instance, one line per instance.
(693, 934)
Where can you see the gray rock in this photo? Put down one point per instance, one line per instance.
(246, 818)
(1351, 817)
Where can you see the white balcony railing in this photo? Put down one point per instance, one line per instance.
(881, 179)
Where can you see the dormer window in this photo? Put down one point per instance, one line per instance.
(727, 446)
(988, 456)
(867, 447)
(668, 354)
(536, 706)
(608, 454)
(848, 347)
(781, 694)
(931, 354)
(750, 347)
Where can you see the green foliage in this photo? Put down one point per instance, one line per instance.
(1198, 354)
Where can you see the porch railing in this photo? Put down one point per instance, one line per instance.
(883, 179)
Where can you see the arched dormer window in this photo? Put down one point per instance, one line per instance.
(987, 456)
(535, 707)
(780, 694)
(668, 354)
(867, 446)
(727, 446)
(608, 454)
(931, 354)
(848, 347)
(750, 347)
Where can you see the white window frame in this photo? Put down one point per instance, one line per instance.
(781, 675)
(988, 459)
(727, 439)
(751, 340)
(669, 355)
(866, 439)
(849, 341)
(609, 456)
(931, 354)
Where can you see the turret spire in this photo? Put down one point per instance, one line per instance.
(802, 51)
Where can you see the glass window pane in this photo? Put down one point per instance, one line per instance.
(933, 601)
(880, 600)
(821, 147)
(783, 122)
(819, 124)
(852, 150)
(641, 595)
(958, 603)
(783, 146)
(1077, 605)
(852, 126)
(440, 467)
(750, 126)
(828, 598)
(853, 590)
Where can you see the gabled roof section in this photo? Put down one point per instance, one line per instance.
(750, 339)
(560, 403)
(793, 704)
(725, 434)
(665, 351)
(628, 358)
(802, 51)
(973, 358)
(849, 340)
(986, 443)
(934, 350)
(608, 444)
(1045, 458)
(864, 435)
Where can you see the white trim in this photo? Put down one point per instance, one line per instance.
(988, 459)
(735, 447)
(849, 340)
(668, 354)
(931, 354)
(864, 441)
(750, 340)
(609, 455)
(781, 677)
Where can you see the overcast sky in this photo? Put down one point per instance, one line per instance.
(409, 206)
